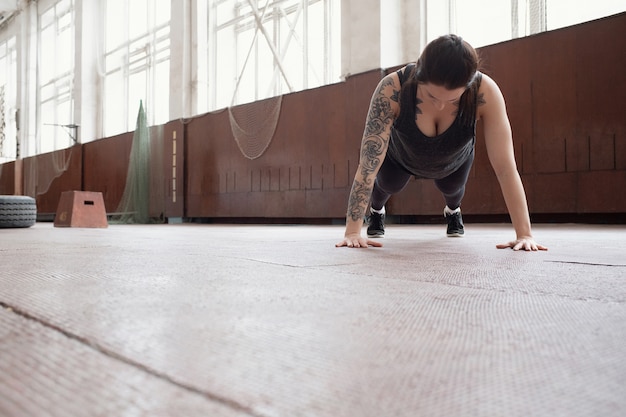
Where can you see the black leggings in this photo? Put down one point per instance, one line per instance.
(392, 178)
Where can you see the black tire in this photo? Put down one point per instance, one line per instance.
(17, 211)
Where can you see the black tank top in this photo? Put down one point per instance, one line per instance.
(432, 157)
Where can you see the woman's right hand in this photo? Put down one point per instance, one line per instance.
(356, 241)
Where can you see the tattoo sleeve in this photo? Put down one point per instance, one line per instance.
(373, 148)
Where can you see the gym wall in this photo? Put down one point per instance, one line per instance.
(566, 96)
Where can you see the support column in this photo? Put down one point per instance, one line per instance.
(381, 34)
(538, 21)
(414, 29)
(360, 36)
(87, 79)
(181, 28)
(27, 76)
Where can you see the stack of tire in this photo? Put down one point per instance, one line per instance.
(17, 211)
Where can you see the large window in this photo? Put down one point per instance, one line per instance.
(137, 63)
(263, 48)
(561, 13)
(8, 98)
(56, 76)
(207, 55)
(484, 22)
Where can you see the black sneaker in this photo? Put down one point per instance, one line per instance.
(455, 224)
(376, 226)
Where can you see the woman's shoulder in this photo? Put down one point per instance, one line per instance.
(486, 82)
(391, 83)
(489, 95)
(406, 72)
(488, 86)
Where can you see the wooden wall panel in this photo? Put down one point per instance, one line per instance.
(48, 175)
(306, 170)
(159, 170)
(106, 168)
(601, 192)
(7, 178)
(173, 157)
(106, 163)
(565, 92)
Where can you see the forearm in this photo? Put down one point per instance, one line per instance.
(383, 108)
(515, 199)
(357, 204)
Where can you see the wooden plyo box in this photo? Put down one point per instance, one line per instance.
(81, 209)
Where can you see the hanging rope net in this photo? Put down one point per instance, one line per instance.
(45, 168)
(254, 124)
(134, 206)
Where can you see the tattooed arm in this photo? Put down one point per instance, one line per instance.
(499, 142)
(383, 110)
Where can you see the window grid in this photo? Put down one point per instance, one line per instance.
(271, 58)
(56, 75)
(135, 69)
(304, 33)
(8, 81)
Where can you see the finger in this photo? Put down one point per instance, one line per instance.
(351, 244)
(530, 245)
(537, 246)
(526, 245)
(374, 243)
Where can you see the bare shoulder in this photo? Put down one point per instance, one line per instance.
(490, 99)
(390, 86)
(386, 98)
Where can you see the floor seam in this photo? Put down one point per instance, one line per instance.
(137, 365)
(588, 263)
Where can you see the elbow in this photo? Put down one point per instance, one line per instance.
(505, 172)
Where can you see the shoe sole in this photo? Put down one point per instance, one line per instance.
(379, 235)
(455, 235)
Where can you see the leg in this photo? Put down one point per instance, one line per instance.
(391, 179)
(453, 189)
(453, 186)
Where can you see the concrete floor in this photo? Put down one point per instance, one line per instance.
(246, 320)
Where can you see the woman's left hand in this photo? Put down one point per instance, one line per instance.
(526, 243)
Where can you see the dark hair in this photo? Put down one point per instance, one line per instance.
(452, 63)
(448, 61)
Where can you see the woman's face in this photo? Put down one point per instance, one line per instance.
(440, 97)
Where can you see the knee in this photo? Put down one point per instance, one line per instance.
(389, 187)
(451, 190)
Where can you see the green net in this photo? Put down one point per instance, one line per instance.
(134, 206)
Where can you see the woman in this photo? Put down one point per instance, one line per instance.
(421, 123)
